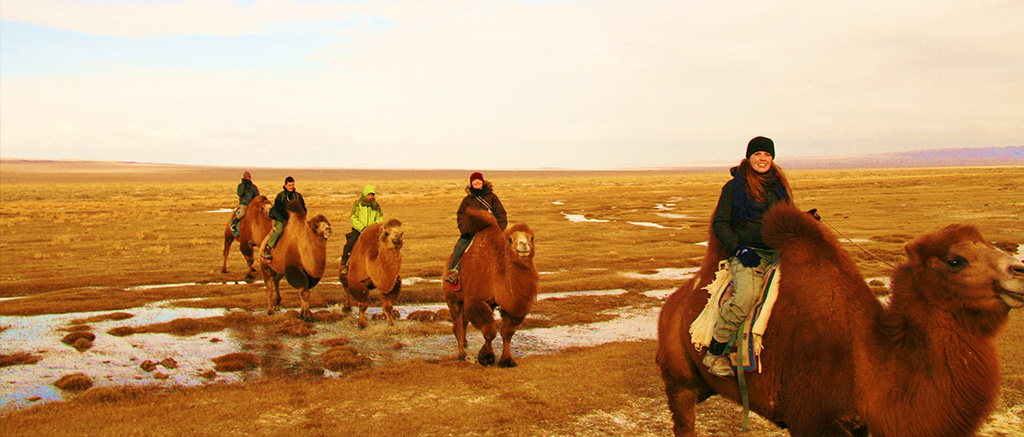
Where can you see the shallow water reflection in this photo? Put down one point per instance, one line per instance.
(114, 361)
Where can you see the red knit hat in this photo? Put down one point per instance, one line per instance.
(475, 176)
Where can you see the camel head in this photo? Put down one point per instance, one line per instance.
(520, 239)
(320, 226)
(391, 234)
(958, 269)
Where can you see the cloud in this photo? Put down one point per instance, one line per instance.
(560, 83)
(143, 19)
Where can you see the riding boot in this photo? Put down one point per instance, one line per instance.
(234, 227)
(266, 253)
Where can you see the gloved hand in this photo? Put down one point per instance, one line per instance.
(748, 257)
(814, 213)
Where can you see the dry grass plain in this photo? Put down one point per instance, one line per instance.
(75, 236)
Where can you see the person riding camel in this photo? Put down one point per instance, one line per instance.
(246, 192)
(365, 212)
(757, 184)
(479, 195)
(280, 215)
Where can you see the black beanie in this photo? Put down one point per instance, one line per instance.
(760, 144)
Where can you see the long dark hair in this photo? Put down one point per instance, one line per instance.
(756, 182)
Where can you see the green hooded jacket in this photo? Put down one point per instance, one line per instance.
(366, 212)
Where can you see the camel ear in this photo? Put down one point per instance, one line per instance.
(913, 254)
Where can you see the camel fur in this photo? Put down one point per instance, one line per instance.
(300, 256)
(254, 226)
(376, 261)
(497, 268)
(839, 362)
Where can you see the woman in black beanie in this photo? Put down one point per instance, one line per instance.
(756, 185)
(479, 195)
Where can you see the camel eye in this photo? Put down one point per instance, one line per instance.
(510, 241)
(956, 262)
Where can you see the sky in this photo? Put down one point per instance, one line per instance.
(480, 84)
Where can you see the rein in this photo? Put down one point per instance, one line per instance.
(858, 246)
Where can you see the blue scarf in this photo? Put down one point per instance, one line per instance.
(744, 207)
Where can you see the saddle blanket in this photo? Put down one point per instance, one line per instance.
(750, 344)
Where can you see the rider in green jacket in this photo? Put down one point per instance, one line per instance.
(365, 212)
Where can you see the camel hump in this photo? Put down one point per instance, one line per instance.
(296, 207)
(481, 219)
(390, 223)
(785, 225)
(258, 200)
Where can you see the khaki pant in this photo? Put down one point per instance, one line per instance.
(276, 234)
(746, 285)
(240, 212)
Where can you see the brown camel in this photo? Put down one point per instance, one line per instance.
(251, 230)
(836, 360)
(497, 270)
(300, 256)
(376, 259)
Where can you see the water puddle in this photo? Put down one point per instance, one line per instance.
(672, 215)
(652, 225)
(115, 361)
(580, 218)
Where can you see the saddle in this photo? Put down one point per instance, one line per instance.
(747, 349)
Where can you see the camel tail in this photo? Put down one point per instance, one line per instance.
(480, 219)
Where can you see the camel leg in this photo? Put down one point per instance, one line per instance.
(363, 305)
(306, 315)
(509, 325)
(228, 239)
(246, 249)
(459, 323)
(486, 355)
(273, 282)
(388, 300)
(682, 402)
(347, 307)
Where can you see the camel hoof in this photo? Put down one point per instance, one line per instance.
(346, 310)
(223, 270)
(485, 359)
(506, 363)
(270, 312)
(362, 324)
(461, 357)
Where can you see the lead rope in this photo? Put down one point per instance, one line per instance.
(858, 246)
(740, 371)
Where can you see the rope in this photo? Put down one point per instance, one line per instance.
(858, 246)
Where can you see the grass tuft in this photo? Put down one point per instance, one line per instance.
(74, 382)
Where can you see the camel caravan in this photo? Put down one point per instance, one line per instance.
(833, 360)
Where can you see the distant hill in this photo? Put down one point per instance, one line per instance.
(986, 156)
(963, 157)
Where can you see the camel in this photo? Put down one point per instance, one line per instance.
(300, 256)
(376, 259)
(839, 362)
(497, 270)
(251, 229)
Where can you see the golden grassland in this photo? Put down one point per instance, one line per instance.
(76, 237)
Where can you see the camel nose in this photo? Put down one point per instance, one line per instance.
(398, 242)
(1016, 268)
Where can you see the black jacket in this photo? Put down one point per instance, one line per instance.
(477, 199)
(747, 233)
(247, 191)
(278, 211)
